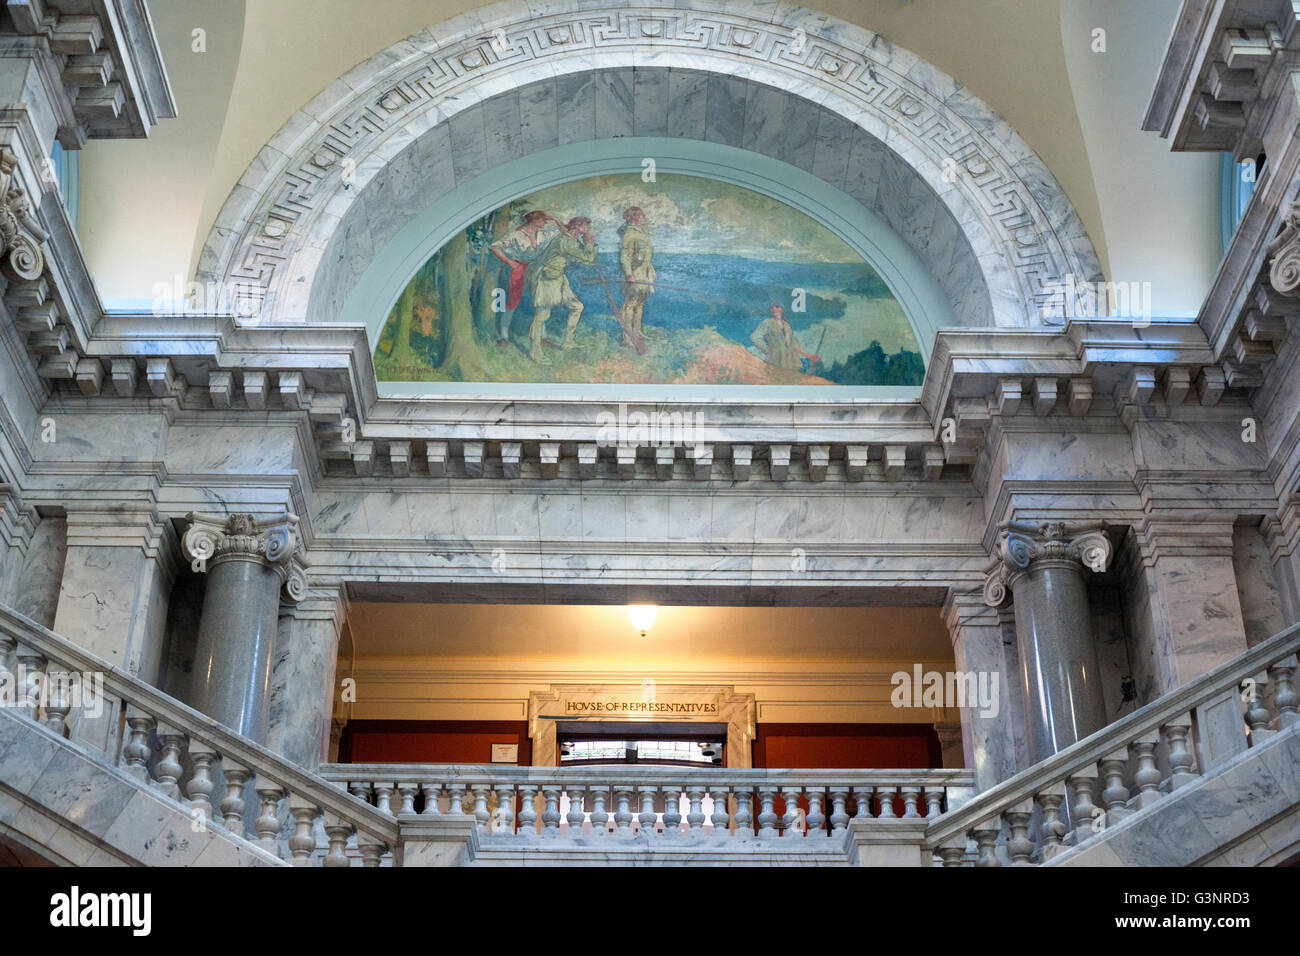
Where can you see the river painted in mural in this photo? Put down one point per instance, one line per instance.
(679, 281)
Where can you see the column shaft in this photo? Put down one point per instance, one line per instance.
(232, 664)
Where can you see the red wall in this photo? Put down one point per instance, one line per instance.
(877, 746)
(431, 741)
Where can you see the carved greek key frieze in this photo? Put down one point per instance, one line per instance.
(1033, 230)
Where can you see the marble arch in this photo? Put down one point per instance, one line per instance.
(308, 216)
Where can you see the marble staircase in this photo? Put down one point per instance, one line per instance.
(98, 767)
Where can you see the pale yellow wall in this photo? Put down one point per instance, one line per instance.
(1159, 209)
(147, 207)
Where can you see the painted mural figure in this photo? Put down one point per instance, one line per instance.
(774, 340)
(517, 249)
(637, 260)
(549, 284)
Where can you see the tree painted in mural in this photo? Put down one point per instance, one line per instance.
(679, 281)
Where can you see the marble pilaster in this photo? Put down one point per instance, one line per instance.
(118, 571)
(988, 740)
(17, 527)
(247, 562)
(1045, 566)
(302, 675)
(1183, 574)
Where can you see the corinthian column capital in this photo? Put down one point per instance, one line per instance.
(21, 236)
(1284, 254)
(274, 542)
(1020, 545)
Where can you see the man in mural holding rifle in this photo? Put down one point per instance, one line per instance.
(636, 260)
(775, 342)
(549, 285)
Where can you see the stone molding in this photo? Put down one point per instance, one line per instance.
(1021, 545)
(267, 244)
(274, 542)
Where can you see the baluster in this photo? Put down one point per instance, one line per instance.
(1083, 810)
(233, 804)
(1257, 712)
(577, 809)
(135, 752)
(1181, 771)
(911, 796)
(1116, 793)
(360, 789)
(371, 850)
(986, 838)
(267, 824)
(481, 816)
(952, 850)
(816, 819)
(528, 808)
(672, 809)
(647, 815)
(791, 820)
(58, 701)
(503, 818)
(169, 767)
(1019, 846)
(303, 841)
(695, 818)
(1147, 777)
(767, 815)
(432, 790)
(1051, 828)
(1285, 699)
(551, 814)
(31, 680)
(886, 797)
(200, 786)
(455, 799)
(720, 818)
(337, 830)
(744, 811)
(933, 803)
(406, 796)
(839, 813)
(599, 816)
(384, 796)
(862, 796)
(623, 813)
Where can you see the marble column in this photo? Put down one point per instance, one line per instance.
(1045, 566)
(248, 561)
(302, 675)
(987, 733)
(118, 570)
(1184, 577)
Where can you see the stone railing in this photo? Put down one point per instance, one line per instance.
(1131, 765)
(226, 779)
(666, 802)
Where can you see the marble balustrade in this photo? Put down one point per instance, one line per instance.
(224, 778)
(659, 801)
(1074, 796)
